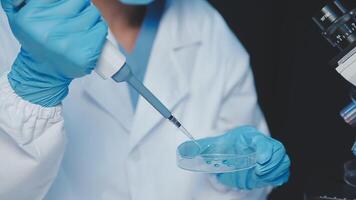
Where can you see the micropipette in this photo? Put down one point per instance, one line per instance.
(125, 74)
(112, 64)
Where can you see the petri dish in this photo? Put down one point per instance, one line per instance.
(350, 172)
(214, 158)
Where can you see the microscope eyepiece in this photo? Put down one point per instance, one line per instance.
(337, 21)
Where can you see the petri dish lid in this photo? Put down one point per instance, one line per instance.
(215, 159)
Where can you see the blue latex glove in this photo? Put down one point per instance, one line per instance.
(136, 2)
(273, 163)
(60, 40)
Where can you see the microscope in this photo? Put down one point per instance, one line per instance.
(337, 22)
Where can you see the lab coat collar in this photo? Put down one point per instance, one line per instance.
(112, 98)
(166, 77)
(179, 24)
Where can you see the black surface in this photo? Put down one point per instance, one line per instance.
(300, 94)
(328, 189)
(323, 185)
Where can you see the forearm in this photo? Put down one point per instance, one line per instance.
(32, 144)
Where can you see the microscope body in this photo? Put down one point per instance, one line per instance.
(337, 21)
(347, 66)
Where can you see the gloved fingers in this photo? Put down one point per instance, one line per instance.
(264, 149)
(278, 181)
(281, 170)
(245, 132)
(98, 33)
(243, 180)
(277, 157)
(234, 180)
(70, 7)
(248, 180)
(58, 8)
(96, 36)
(84, 21)
(90, 42)
(11, 6)
(245, 135)
(20, 5)
(8, 6)
(25, 9)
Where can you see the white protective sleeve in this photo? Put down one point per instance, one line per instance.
(239, 105)
(32, 143)
(239, 108)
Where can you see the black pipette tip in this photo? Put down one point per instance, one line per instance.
(175, 121)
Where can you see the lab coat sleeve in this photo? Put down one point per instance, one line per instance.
(239, 105)
(32, 143)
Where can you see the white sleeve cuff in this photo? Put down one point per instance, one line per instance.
(23, 121)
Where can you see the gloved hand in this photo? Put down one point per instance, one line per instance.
(273, 163)
(137, 2)
(60, 40)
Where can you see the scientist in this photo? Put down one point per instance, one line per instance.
(104, 142)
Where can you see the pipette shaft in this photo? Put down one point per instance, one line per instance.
(158, 105)
(153, 100)
(125, 74)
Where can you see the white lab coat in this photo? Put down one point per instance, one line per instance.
(197, 68)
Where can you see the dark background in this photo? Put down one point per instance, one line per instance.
(300, 94)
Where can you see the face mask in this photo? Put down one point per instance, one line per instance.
(136, 2)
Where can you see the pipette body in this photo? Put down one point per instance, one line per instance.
(125, 74)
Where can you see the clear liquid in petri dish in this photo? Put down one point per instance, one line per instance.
(190, 136)
(191, 158)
